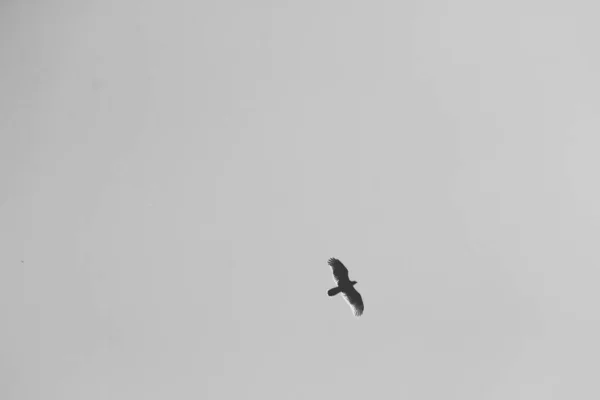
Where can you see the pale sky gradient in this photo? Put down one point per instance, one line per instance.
(175, 175)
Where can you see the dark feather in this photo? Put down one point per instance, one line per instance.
(340, 272)
(355, 301)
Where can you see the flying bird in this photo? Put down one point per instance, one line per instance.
(345, 286)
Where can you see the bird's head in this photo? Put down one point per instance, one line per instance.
(353, 283)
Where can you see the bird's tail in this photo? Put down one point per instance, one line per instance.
(334, 291)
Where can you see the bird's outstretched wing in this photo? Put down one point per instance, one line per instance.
(340, 272)
(355, 301)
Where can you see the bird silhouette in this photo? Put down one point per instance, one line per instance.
(345, 286)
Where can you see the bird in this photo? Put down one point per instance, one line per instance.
(345, 286)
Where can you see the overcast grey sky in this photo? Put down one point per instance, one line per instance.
(175, 175)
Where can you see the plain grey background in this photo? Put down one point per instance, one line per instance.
(175, 175)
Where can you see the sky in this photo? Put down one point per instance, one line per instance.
(175, 175)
